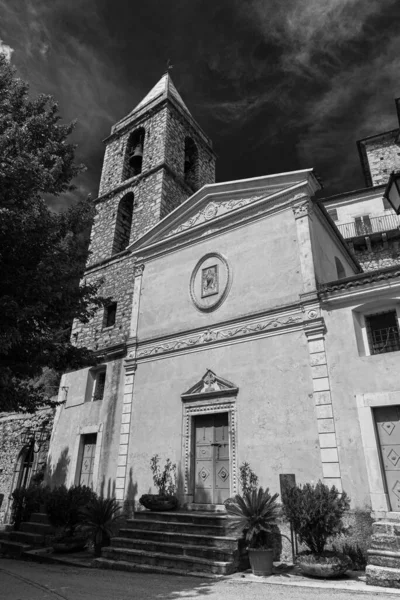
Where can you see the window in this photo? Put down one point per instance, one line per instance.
(332, 212)
(87, 460)
(191, 163)
(383, 332)
(110, 314)
(99, 385)
(134, 154)
(123, 223)
(341, 273)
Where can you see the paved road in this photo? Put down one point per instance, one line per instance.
(33, 581)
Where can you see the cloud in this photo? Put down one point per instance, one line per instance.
(6, 50)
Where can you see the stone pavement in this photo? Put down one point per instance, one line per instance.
(21, 580)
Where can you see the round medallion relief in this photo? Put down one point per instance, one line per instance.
(210, 282)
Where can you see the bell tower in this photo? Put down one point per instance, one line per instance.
(155, 158)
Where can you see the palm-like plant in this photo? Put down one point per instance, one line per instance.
(255, 514)
(100, 519)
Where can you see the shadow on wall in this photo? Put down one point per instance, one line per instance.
(57, 475)
(130, 498)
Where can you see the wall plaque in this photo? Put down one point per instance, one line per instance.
(210, 282)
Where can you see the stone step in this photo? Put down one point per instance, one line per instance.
(221, 542)
(122, 565)
(199, 518)
(219, 508)
(167, 526)
(208, 552)
(13, 548)
(385, 542)
(382, 576)
(33, 539)
(39, 528)
(39, 518)
(160, 559)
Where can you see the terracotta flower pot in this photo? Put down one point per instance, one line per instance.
(261, 561)
(325, 566)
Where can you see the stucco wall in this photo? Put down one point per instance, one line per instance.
(265, 266)
(77, 415)
(276, 423)
(351, 374)
(325, 248)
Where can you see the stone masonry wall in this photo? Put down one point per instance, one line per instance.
(118, 284)
(383, 157)
(380, 256)
(153, 150)
(11, 427)
(147, 192)
(178, 129)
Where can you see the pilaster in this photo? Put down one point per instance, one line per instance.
(315, 333)
(302, 210)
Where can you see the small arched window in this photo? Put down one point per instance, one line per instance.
(191, 163)
(123, 223)
(341, 273)
(134, 154)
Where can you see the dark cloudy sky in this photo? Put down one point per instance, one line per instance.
(278, 84)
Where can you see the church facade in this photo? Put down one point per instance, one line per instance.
(241, 326)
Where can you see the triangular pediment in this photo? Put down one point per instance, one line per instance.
(210, 385)
(221, 203)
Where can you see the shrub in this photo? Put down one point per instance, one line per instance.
(255, 515)
(248, 480)
(63, 506)
(355, 553)
(27, 501)
(316, 513)
(164, 480)
(100, 519)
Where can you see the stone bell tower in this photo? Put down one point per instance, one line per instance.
(155, 158)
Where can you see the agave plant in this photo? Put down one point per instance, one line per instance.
(100, 519)
(254, 514)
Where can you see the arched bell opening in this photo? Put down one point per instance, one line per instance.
(134, 154)
(123, 223)
(191, 163)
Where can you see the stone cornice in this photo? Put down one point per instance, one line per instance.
(270, 323)
(133, 181)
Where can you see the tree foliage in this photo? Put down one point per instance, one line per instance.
(42, 253)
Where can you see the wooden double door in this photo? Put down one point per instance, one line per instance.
(212, 468)
(387, 419)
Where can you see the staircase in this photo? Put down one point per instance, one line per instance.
(175, 542)
(34, 533)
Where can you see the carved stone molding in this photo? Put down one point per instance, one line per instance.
(138, 270)
(212, 210)
(302, 208)
(188, 423)
(218, 334)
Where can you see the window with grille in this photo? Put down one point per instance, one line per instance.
(87, 462)
(383, 332)
(99, 385)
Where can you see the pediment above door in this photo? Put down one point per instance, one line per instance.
(210, 385)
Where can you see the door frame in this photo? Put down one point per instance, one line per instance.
(376, 478)
(192, 409)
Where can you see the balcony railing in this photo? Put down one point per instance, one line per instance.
(367, 227)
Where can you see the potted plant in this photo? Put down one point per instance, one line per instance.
(100, 520)
(63, 508)
(254, 514)
(316, 514)
(165, 481)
